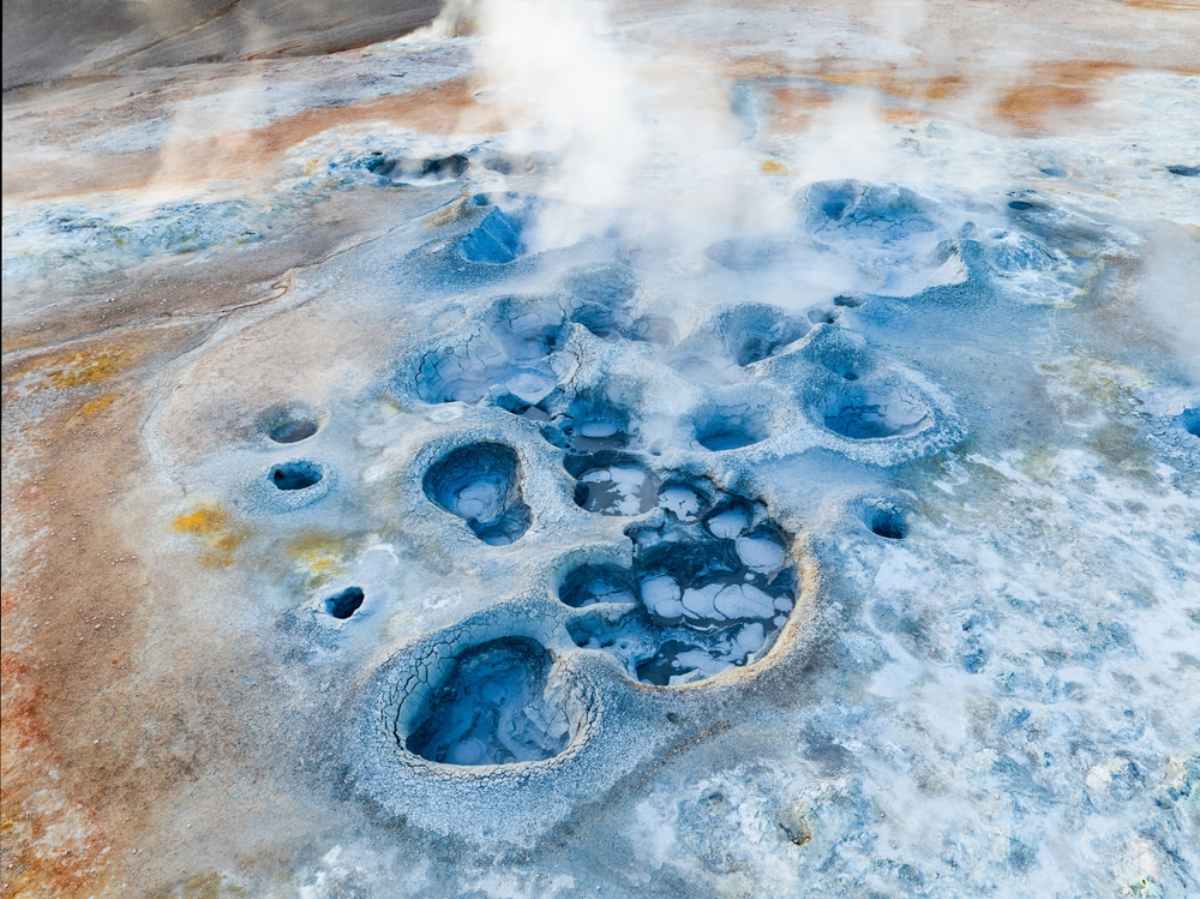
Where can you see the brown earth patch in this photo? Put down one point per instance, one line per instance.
(791, 108)
(1030, 106)
(73, 716)
(1166, 5)
(911, 85)
(1055, 90)
(440, 109)
(1047, 95)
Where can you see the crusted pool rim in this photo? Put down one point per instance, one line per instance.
(617, 724)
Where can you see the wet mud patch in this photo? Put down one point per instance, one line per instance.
(712, 583)
(589, 423)
(480, 483)
(499, 238)
(492, 708)
(684, 497)
(612, 483)
(595, 583)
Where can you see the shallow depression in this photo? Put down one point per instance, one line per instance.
(755, 332)
(873, 412)
(508, 356)
(289, 423)
(728, 428)
(597, 583)
(590, 422)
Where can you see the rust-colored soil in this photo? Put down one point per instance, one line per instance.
(240, 155)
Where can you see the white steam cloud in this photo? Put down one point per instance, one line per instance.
(644, 141)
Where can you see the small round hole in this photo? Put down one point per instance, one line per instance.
(887, 522)
(344, 604)
(294, 475)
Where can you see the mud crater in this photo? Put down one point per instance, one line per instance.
(481, 484)
(711, 585)
(492, 708)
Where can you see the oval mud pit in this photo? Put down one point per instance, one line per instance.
(589, 424)
(492, 708)
(611, 483)
(480, 483)
(497, 240)
(288, 423)
(297, 475)
(713, 586)
(755, 332)
(728, 428)
(510, 355)
(603, 299)
(874, 412)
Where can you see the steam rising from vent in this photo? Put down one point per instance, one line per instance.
(647, 137)
(646, 143)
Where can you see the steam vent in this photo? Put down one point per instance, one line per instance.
(595, 448)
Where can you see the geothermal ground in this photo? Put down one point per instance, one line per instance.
(651, 449)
